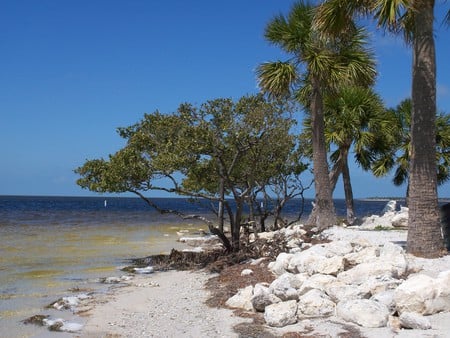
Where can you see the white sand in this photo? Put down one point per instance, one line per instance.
(176, 307)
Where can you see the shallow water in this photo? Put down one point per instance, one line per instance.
(43, 257)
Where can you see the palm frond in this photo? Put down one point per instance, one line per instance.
(276, 78)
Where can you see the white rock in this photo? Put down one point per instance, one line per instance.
(395, 256)
(262, 297)
(340, 248)
(416, 294)
(284, 287)
(390, 206)
(377, 284)
(329, 266)
(364, 312)
(339, 291)
(281, 314)
(267, 235)
(400, 219)
(360, 273)
(246, 272)
(318, 281)
(146, 270)
(242, 299)
(315, 303)
(413, 320)
(306, 260)
(366, 254)
(281, 264)
(386, 298)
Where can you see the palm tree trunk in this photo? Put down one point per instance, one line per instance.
(323, 214)
(348, 189)
(424, 232)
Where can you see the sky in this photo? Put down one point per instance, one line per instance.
(71, 72)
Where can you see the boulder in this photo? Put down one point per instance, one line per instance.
(305, 261)
(364, 312)
(281, 314)
(395, 256)
(315, 303)
(318, 281)
(329, 266)
(361, 272)
(339, 291)
(390, 206)
(386, 298)
(366, 254)
(400, 219)
(340, 248)
(281, 264)
(242, 299)
(416, 294)
(413, 320)
(377, 284)
(262, 297)
(284, 287)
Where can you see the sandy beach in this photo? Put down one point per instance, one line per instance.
(165, 304)
(172, 304)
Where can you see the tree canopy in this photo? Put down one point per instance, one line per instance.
(220, 149)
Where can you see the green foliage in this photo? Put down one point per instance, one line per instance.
(241, 146)
(397, 156)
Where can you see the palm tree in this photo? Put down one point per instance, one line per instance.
(414, 18)
(355, 121)
(317, 66)
(400, 151)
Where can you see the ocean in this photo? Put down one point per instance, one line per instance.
(50, 245)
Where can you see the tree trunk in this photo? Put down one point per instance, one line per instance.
(221, 203)
(323, 214)
(424, 232)
(236, 226)
(348, 189)
(335, 172)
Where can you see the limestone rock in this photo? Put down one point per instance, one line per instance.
(366, 254)
(284, 287)
(262, 297)
(339, 291)
(416, 294)
(413, 320)
(242, 300)
(315, 303)
(281, 314)
(318, 281)
(281, 264)
(364, 312)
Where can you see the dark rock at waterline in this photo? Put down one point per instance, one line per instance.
(36, 320)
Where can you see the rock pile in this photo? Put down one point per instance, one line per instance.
(354, 280)
(391, 218)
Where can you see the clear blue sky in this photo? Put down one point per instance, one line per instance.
(71, 72)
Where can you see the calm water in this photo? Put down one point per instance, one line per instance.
(49, 245)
